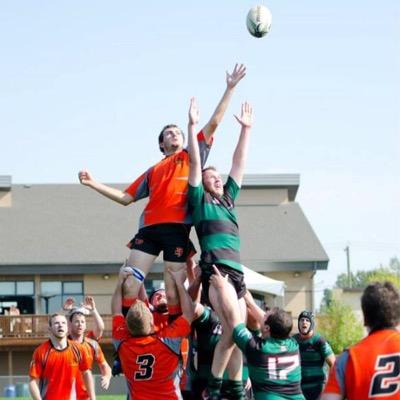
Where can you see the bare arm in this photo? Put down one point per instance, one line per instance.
(90, 305)
(330, 360)
(117, 195)
(116, 300)
(193, 145)
(105, 372)
(231, 81)
(185, 301)
(255, 314)
(240, 154)
(89, 384)
(34, 389)
(227, 299)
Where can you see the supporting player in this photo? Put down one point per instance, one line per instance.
(165, 222)
(371, 368)
(213, 210)
(88, 341)
(315, 351)
(56, 363)
(150, 361)
(273, 359)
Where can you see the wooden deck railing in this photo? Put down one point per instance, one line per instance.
(36, 326)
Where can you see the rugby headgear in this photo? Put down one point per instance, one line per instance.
(308, 315)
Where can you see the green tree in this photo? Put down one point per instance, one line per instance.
(338, 324)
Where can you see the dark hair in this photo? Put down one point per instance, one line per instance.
(380, 304)
(161, 135)
(280, 323)
(153, 293)
(71, 316)
(209, 168)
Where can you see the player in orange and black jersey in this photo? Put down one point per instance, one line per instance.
(56, 364)
(165, 223)
(150, 361)
(371, 368)
(87, 340)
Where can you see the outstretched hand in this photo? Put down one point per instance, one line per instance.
(89, 303)
(238, 73)
(69, 304)
(193, 112)
(246, 115)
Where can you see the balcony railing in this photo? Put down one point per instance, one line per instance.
(25, 327)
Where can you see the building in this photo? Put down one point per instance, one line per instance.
(61, 240)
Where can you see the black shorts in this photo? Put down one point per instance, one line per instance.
(236, 278)
(171, 239)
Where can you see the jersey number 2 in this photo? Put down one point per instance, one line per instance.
(386, 380)
(145, 370)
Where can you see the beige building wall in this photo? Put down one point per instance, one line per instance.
(262, 196)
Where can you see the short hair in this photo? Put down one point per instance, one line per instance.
(71, 315)
(139, 319)
(280, 323)
(161, 135)
(380, 304)
(209, 168)
(52, 316)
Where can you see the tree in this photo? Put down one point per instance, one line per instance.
(338, 324)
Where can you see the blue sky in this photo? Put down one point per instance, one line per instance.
(90, 84)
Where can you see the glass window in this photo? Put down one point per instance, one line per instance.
(25, 287)
(50, 287)
(7, 288)
(72, 287)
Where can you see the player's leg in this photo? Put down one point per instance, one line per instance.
(171, 292)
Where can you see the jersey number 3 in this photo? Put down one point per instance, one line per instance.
(386, 380)
(145, 370)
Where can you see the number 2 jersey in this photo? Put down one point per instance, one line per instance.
(370, 369)
(151, 363)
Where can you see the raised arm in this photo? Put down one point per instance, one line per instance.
(98, 328)
(86, 179)
(239, 156)
(227, 298)
(193, 145)
(185, 301)
(116, 300)
(231, 81)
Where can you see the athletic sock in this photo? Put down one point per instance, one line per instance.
(214, 385)
(236, 390)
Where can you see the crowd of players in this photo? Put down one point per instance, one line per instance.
(205, 337)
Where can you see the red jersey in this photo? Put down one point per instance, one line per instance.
(166, 185)
(151, 363)
(370, 369)
(57, 369)
(93, 353)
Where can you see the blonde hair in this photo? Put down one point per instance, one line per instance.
(139, 319)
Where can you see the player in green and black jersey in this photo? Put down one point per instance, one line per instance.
(212, 206)
(315, 353)
(273, 359)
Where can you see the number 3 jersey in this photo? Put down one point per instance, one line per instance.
(274, 365)
(370, 369)
(151, 364)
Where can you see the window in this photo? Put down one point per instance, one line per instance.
(7, 288)
(54, 293)
(17, 288)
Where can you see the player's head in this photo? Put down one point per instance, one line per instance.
(170, 139)
(139, 319)
(212, 181)
(380, 304)
(279, 322)
(306, 322)
(58, 326)
(158, 299)
(77, 321)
